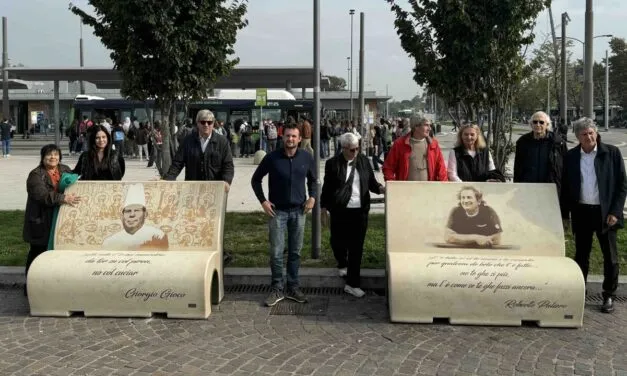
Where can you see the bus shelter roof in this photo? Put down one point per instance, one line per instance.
(240, 78)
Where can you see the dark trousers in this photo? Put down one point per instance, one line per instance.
(348, 231)
(588, 222)
(34, 251)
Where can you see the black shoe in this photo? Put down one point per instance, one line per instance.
(296, 295)
(608, 305)
(274, 297)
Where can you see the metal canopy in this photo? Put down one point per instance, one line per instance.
(109, 78)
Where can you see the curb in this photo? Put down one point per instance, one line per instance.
(12, 277)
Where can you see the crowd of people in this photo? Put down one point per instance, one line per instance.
(590, 180)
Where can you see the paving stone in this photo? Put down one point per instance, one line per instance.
(237, 340)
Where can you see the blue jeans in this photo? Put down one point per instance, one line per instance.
(6, 146)
(292, 220)
(324, 148)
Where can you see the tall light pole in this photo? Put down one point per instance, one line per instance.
(362, 105)
(5, 72)
(588, 89)
(315, 215)
(606, 118)
(351, 12)
(563, 106)
(80, 51)
(348, 70)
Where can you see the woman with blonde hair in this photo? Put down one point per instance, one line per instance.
(470, 159)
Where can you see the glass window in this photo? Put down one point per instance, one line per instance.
(141, 114)
(273, 114)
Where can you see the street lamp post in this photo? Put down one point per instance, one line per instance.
(588, 108)
(606, 118)
(584, 59)
(348, 71)
(563, 106)
(315, 215)
(351, 12)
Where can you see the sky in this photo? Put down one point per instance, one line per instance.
(44, 33)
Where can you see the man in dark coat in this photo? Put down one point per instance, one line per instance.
(348, 181)
(593, 194)
(540, 153)
(204, 154)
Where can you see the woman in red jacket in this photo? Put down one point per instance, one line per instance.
(416, 156)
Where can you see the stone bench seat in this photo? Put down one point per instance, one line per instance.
(439, 266)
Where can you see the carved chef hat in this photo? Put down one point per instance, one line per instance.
(135, 195)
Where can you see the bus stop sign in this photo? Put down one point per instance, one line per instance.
(261, 97)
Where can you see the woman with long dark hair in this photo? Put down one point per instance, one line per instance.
(100, 161)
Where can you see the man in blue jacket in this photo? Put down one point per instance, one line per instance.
(288, 169)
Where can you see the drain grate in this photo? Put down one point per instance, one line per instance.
(315, 306)
(264, 289)
(598, 298)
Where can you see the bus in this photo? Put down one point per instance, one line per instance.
(227, 105)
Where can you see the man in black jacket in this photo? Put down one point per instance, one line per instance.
(593, 193)
(204, 154)
(540, 154)
(348, 181)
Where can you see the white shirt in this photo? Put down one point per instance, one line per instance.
(355, 201)
(204, 142)
(124, 241)
(452, 164)
(589, 193)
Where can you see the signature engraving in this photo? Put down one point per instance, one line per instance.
(147, 295)
(543, 304)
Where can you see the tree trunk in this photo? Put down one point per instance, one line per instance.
(172, 130)
(166, 154)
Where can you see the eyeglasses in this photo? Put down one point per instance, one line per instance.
(205, 122)
(541, 122)
(352, 150)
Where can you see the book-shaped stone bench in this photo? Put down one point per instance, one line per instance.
(479, 253)
(134, 250)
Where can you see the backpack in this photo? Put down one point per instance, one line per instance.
(272, 132)
(131, 132)
(118, 135)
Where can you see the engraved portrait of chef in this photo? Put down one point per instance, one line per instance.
(136, 235)
(472, 223)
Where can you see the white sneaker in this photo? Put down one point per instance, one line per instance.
(342, 272)
(354, 291)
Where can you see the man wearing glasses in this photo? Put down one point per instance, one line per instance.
(204, 154)
(540, 153)
(348, 181)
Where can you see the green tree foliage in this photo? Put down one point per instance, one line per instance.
(168, 49)
(469, 52)
(337, 83)
(618, 70)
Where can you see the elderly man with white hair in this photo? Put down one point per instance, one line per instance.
(416, 156)
(593, 196)
(348, 181)
(540, 153)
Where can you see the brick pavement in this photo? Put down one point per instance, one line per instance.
(353, 338)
